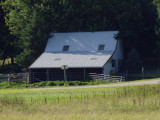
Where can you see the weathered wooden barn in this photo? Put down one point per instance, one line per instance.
(82, 52)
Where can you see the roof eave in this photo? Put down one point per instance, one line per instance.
(68, 67)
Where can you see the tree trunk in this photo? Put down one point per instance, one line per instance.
(12, 60)
(3, 61)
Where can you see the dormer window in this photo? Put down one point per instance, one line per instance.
(65, 48)
(101, 47)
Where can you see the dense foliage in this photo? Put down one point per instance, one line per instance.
(30, 22)
(8, 47)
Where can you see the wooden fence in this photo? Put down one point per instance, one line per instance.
(16, 77)
(19, 77)
(109, 78)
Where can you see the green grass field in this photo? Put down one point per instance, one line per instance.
(116, 103)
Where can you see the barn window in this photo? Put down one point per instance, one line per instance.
(65, 48)
(101, 47)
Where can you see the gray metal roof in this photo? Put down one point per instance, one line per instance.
(83, 50)
(82, 41)
(73, 60)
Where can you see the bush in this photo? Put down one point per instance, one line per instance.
(40, 84)
(25, 85)
(59, 83)
(6, 86)
(50, 83)
(73, 83)
(35, 85)
(86, 83)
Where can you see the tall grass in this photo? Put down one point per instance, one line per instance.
(131, 103)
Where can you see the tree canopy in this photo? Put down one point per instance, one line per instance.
(8, 46)
(30, 23)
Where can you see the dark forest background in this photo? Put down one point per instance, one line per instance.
(25, 26)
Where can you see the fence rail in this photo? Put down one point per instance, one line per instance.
(109, 78)
(19, 77)
(16, 77)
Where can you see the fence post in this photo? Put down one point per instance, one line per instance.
(104, 94)
(28, 77)
(70, 97)
(58, 99)
(45, 100)
(9, 78)
(25, 76)
(81, 96)
(121, 79)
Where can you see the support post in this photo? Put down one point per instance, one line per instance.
(84, 74)
(9, 78)
(65, 75)
(47, 75)
(142, 72)
(64, 67)
(30, 76)
(33, 77)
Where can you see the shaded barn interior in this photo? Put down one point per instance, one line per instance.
(82, 74)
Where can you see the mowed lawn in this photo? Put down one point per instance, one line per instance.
(114, 103)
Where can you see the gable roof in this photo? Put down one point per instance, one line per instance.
(83, 60)
(83, 50)
(82, 41)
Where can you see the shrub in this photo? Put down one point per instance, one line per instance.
(59, 83)
(72, 83)
(42, 83)
(25, 85)
(35, 85)
(50, 83)
(86, 83)
(6, 86)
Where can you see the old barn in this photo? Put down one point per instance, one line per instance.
(82, 52)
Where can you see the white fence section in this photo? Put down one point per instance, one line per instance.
(95, 76)
(3, 78)
(16, 77)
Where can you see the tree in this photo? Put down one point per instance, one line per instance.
(157, 50)
(134, 61)
(137, 27)
(8, 46)
(24, 20)
(32, 21)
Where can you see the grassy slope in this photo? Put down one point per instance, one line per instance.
(122, 103)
